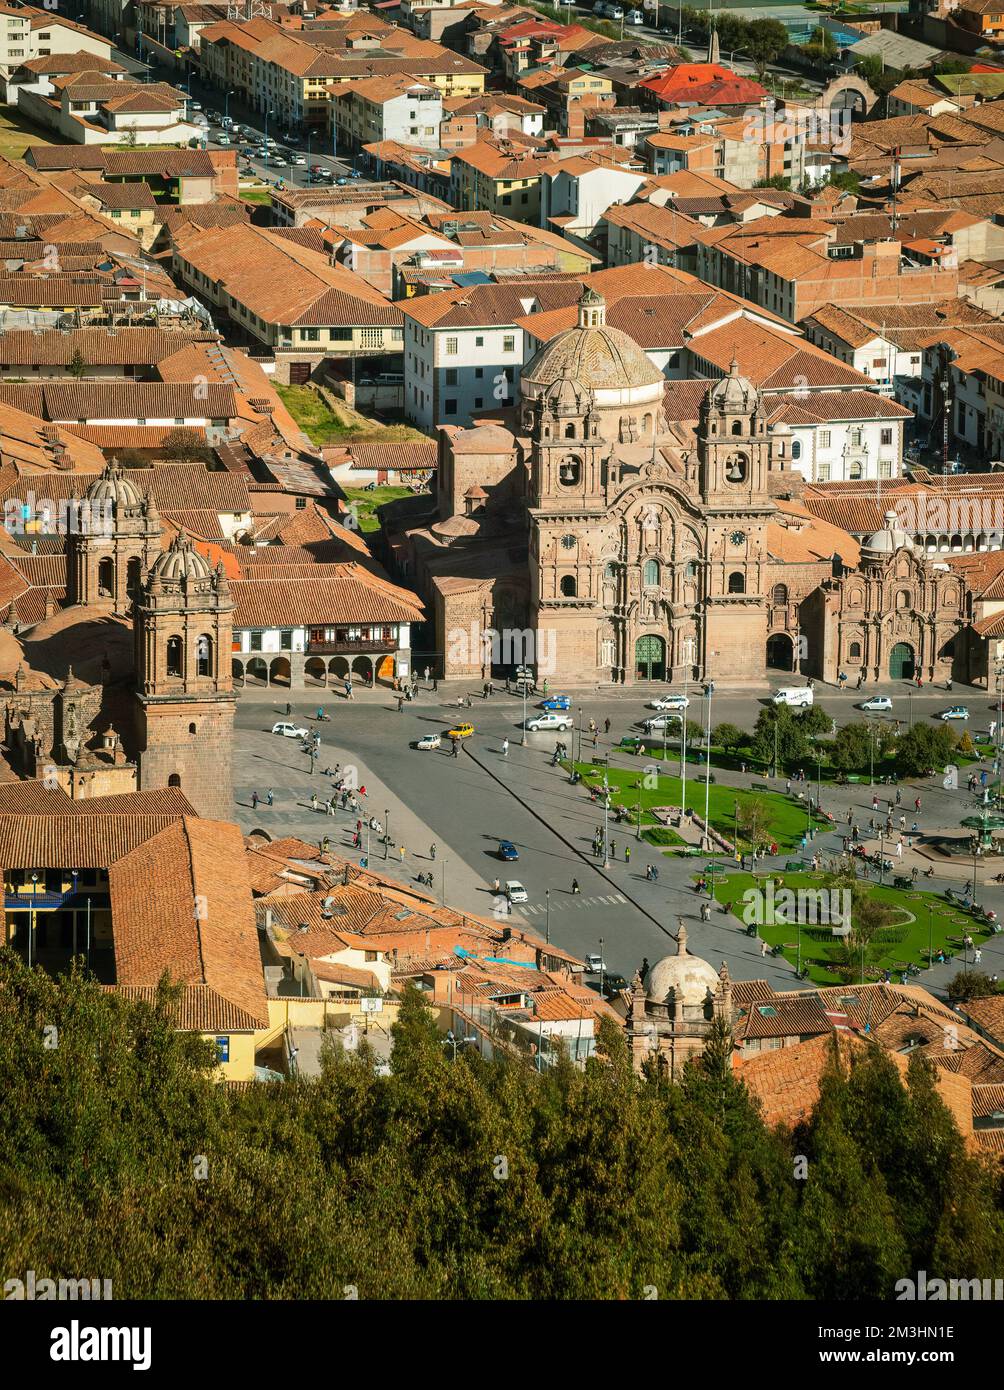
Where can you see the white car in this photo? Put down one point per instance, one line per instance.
(669, 702)
(634, 17)
(515, 891)
(289, 730)
(278, 161)
(595, 965)
(298, 159)
(660, 721)
(876, 702)
(223, 139)
(429, 741)
(548, 721)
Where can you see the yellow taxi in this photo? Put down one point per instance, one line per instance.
(461, 731)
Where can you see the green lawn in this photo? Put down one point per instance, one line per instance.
(16, 134)
(261, 196)
(317, 419)
(787, 820)
(366, 503)
(891, 947)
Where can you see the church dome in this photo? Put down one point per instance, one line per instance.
(113, 486)
(688, 975)
(591, 355)
(181, 560)
(734, 393)
(887, 541)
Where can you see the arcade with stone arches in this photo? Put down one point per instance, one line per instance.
(294, 671)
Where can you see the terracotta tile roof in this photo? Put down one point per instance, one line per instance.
(415, 454)
(97, 346)
(199, 1010)
(782, 1017)
(182, 486)
(987, 1016)
(353, 596)
(73, 839)
(32, 292)
(199, 925)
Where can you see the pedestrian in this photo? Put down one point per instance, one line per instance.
(977, 955)
(435, 684)
(763, 948)
(400, 850)
(787, 786)
(269, 797)
(331, 806)
(289, 709)
(505, 748)
(426, 675)
(899, 796)
(850, 814)
(400, 704)
(606, 726)
(575, 886)
(432, 850)
(491, 687)
(313, 801)
(627, 854)
(874, 803)
(916, 804)
(705, 912)
(613, 849)
(254, 801)
(456, 747)
(899, 848)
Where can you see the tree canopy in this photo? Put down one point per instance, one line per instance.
(459, 1177)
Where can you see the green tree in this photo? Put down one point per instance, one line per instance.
(792, 743)
(729, 736)
(815, 722)
(970, 984)
(766, 40)
(924, 746)
(77, 365)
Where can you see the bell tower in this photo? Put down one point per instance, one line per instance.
(733, 448)
(112, 542)
(184, 633)
(566, 472)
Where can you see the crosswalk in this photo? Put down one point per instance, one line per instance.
(578, 900)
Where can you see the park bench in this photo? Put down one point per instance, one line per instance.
(854, 777)
(794, 865)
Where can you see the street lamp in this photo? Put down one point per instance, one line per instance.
(268, 112)
(386, 834)
(73, 875)
(603, 968)
(578, 757)
(31, 919)
(547, 916)
(709, 691)
(226, 100)
(606, 822)
(523, 739)
(930, 936)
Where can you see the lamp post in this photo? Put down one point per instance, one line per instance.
(637, 834)
(523, 739)
(73, 875)
(31, 918)
(871, 752)
(775, 744)
(578, 755)
(547, 916)
(710, 690)
(386, 834)
(881, 858)
(603, 968)
(268, 113)
(930, 936)
(226, 101)
(606, 822)
(910, 698)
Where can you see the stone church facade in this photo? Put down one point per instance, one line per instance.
(636, 548)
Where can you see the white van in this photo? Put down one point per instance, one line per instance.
(794, 695)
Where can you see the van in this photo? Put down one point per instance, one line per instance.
(794, 695)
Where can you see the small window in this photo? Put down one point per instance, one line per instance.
(796, 449)
(174, 656)
(650, 574)
(854, 651)
(450, 407)
(780, 595)
(568, 586)
(509, 343)
(737, 582)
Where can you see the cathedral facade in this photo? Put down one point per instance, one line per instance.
(634, 545)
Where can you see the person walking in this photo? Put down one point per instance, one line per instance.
(977, 955)
(874, 803)
(254, 801)
(705, 912)
(313, 801)
(787, 786)
(426, 675)
(289, 709)
(432, 850)
(613, 849)
(575, 886)
(763, 948)
(606, 726)
(899, 796)
(916, 803)
(627, 854)
(400, 850)
(331, 805)
(269, 797)
(505, 748)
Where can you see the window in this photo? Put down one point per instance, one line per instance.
(854, 472)
(451, 347)
(204, 655)
(450, 407)
(822, 473)
(885, 468)
(312, 334)
(479, 373)
(796, 449)
(478, 402)
(737, 582)
(509, 343)
(256, 642)
(451, 376)
(479, 341)
(854, 651)
(650, 574)
(569, 472)
(886, 437)
(286, 640)
(856, 436)
(824, 439)
(780, 595)
(568, 586)
(301, 504)
(174, 656)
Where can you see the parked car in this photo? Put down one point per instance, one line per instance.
(507, 850)
(461, 731)
(222, 138)
(195, 106)
(278, 162)
(595, 965)
(214, 116)
(515, 891)
(289, 730)
(670, 702)
(954, 712)
(317, 169)
(613, 983)
(634, 17)
(557, 702)
(876, 702)
(537, 722)
(661, 721)
(429, 741)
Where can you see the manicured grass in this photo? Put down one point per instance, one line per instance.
(261, 196)
(16, 134)
(366, 503)
(327, 425)
(891, 946)
(787, 819)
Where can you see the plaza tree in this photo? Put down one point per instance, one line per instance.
(970, 984)
(924, 746)
(791, 738)
(729, 736)
(765, 41)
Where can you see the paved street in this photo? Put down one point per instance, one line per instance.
(466, 805)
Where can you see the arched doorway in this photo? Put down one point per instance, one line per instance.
(237, 671)
(385, 671)
(278, 672)
(363, 666)
(256, 672)
(106, 578)
(174, 780)
(650, 658)
(315, 671)
(780, 652)
(902, 662)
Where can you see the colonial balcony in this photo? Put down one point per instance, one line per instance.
(348, 648)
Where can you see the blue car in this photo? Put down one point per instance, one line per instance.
(507, 850)
(554, 702)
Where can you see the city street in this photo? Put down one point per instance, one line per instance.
(466, 805)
